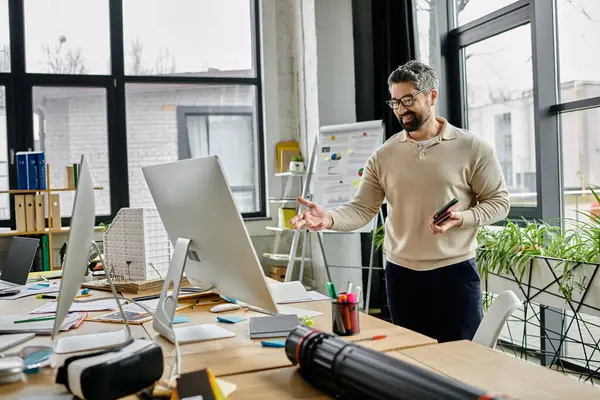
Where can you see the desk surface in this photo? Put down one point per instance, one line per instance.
(267, 373)
(496, 372)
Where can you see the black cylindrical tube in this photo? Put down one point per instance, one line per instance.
(351, 371)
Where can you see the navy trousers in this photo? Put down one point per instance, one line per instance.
(444, 303)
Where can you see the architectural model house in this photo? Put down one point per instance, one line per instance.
(136, 245)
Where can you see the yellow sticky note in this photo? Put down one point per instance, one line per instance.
(350, 151)
(355, 183)
(332, 137)
(326, 158)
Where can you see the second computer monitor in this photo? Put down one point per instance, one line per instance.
(195, 202)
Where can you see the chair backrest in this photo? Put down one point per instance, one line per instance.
(495, 318)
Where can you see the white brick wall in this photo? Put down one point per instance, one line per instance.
(77, 125)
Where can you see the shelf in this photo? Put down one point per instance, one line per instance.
(283, 257)
(44, 232)
(282, 200)
(42, 190)
(290, 174)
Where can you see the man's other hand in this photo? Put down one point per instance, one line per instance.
(315, 218)
(448, 220)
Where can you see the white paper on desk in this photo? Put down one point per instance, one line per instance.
(7, 324)
(312, 296)
(25, 290)
(98, 305)
(300, 312)
(94, 341)
(289, 292)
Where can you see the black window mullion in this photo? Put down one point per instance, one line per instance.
(117, 125)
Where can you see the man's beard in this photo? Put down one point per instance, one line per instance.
(415, 123)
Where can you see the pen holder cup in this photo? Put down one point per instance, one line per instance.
(345, 318)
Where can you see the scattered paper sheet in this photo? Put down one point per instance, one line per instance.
(312, 296)
(32, 289)
(300, 312)
(7, 324)
(94, 341)
(289, 292)
(99, 305)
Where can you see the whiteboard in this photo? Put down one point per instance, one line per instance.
(341, 155)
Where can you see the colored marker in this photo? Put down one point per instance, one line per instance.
(20, 321)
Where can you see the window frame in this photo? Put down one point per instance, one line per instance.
(537, 13)
(19, 113)
(183, 147)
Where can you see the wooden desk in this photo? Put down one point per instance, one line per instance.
(499, 373)
(241, 354)
(43, 382)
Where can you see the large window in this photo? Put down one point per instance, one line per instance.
(169, 122)
(188, 37)
(129, 83)
(229, 133)
(67, 36)
(5, 211)
(470, 10)
(581, 160)
(70, 122)
(4, 39)
(578, 32)
(500, 106)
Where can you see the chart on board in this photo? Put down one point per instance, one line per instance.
(342, 153)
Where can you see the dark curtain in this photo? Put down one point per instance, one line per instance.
(383, 39)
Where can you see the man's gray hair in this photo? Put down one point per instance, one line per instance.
(421, 75)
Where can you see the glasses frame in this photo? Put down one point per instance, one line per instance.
(406, 101)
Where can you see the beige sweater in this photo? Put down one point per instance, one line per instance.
(417, 181)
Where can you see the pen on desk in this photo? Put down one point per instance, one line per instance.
(376, 337)
(20, 321)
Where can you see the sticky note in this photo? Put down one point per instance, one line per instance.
(273, 343)
(355, 183)
(180, 319)
(326, 158)
(350, 151)
(230, 320)
(39, 286)
(332, 137)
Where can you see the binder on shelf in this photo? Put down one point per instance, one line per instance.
(75, 175)
(20, 212)
(40, 214)
(29, 212)
(70, 170)
(45, 253)
(41, 170)
(55, 210)
(31, 170)
(22, 182)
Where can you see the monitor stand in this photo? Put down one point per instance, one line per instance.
(167, 304)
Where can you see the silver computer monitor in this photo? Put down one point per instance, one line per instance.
(81, 235)
(195, 202)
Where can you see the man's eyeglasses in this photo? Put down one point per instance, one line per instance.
(406, 101)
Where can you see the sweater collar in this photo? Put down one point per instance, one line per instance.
(448, 132)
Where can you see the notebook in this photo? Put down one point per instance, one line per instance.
(272, 326)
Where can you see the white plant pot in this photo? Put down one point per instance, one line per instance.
(296, 166)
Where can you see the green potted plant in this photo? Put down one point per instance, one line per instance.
(297, 164)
